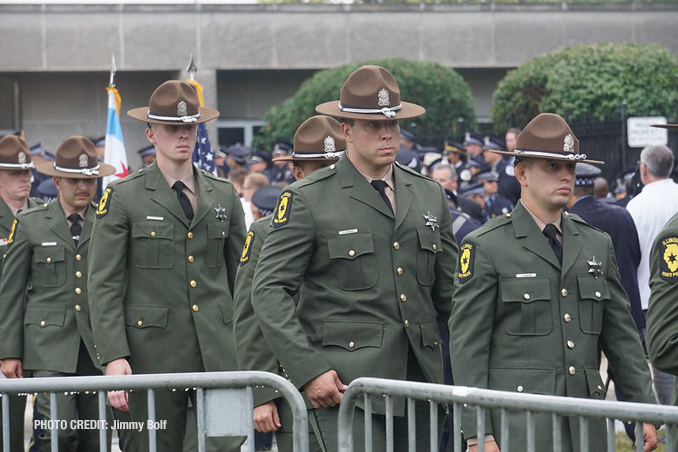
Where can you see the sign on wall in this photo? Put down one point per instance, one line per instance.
(640, 134)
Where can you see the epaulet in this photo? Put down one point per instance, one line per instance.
(579, 220)
(39, 208)
(410, 170)
(321, 174)
(213, 177)
(132, 176)
(492, 224)
(38, 201)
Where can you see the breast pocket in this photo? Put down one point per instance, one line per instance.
(527, 302)
(216, 239)
(153, 244)
(50, 265)
(354, 259)
(429, 246)
(592, 294)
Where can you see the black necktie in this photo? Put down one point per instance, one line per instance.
(551, 232)
(76, 229)
(183, 199)
(380, 186)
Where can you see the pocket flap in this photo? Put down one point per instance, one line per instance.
(146, 316)
(525, 290)
(49, 254)
(595, 382)
(153, 229)
(531, 381)
(429, 239)
(45, 316)
(430, 334)
(591, 288)
(352, 336)
(350, 246)
(217, 230)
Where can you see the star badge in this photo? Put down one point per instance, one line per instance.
(595, 267)
(431, 221)
(221, 213)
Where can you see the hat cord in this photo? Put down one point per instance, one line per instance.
(86, 171)
(551, 154)
(389, 112)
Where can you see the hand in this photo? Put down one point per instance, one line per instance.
(325, 390)
(649, 437)
(12, 368)
(118, 399)
(266, 417)
(490, 446)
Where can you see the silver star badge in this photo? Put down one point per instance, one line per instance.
(221, 213)
(595, 267)
(431, 221)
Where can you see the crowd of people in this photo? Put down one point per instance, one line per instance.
(349, 251)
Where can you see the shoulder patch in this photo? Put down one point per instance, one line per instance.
(105, 203)
(282, 211)
(668, 264)
(12, 231)
(247, 249)
(467, 254)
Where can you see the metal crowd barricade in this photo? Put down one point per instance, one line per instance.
(224, 401)
(483, 399)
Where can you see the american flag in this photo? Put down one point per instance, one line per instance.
(203, 156)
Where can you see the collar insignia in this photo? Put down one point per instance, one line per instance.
(431, 221)
(595, 267)
(221, 213)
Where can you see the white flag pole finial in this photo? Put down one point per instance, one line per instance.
(111, 81)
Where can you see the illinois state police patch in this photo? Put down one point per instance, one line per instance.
(467, 254)
(247, 249)
(12, 232)
(668, 263)
(105, 203)
(282, 212)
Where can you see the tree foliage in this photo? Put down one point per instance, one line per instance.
(590, 81)
(442, 91)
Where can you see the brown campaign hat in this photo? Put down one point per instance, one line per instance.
(15, 154)
(173, 102)
(370, 92)
(76, 158)
(319, 138)
(548, 136)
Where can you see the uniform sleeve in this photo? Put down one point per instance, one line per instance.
(278, 276)
(444, 266)
(236, 239)
(107, 260)
(471, 324)
(620, 341)
(15, 278)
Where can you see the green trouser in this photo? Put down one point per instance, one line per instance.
(284, 436)
(17, 407)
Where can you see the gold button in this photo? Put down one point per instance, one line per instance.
(78, 274)
(600, 388)
(42, 323)
(570, 344)
(78, 290)
(563, 292)
(567, 318)
(78, 308)
(396, 245)
(193, 283)
(139, 323)
(78, 257)
(435, 343)
(435, 247)
(520, 389)
(351, 253)
(332, 166)
(48, 260)
(223, 233)
(351, 344)
(567, 213)
(407, 323)
(598, 295)
(189, 235)
(195, 307)
(403, 297)
(508, 215)
(399, 271)
(572, 370)
(152, 233)
(191, 259)
(526, 296)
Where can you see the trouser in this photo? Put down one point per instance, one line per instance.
(17, 406)
(284, 436)
(71, 408)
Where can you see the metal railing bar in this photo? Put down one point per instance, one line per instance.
(103, 430)
(200, 418)
(411, 426)
(389, 423)
(611, 438)
(5, 422)
(53, 413)
(557, 433)
(368, 422)
(480, 416)
(530, 432)
(433, 416)
(584, 434)
(152, 443)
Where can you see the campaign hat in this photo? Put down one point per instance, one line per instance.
(173, 102)
(319, 138)
(76, 158)
(548, 136)
(372, 93)
(15, 154)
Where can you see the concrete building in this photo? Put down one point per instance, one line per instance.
(55, 58)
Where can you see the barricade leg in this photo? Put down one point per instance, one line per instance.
(15, 423)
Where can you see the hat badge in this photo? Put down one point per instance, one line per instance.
(182, 109)
(22, 158)
(384, 98)
(83, 160)
(330, 146)
(568, 143)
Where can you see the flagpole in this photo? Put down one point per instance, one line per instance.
(191, 69)
(111, 81)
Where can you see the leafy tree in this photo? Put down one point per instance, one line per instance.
(442, 91)
(590, 81)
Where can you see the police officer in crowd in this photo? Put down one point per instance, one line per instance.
(165, 250)
(49, 334)
(147, 155)
(537, 293)
(318, 143)
(374, 230)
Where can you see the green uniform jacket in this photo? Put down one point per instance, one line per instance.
(370, 285)
(6, 220)
(522, 323)
(161, 287)
(45, 265)
(662, 316)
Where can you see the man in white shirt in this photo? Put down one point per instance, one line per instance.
(651, 209)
